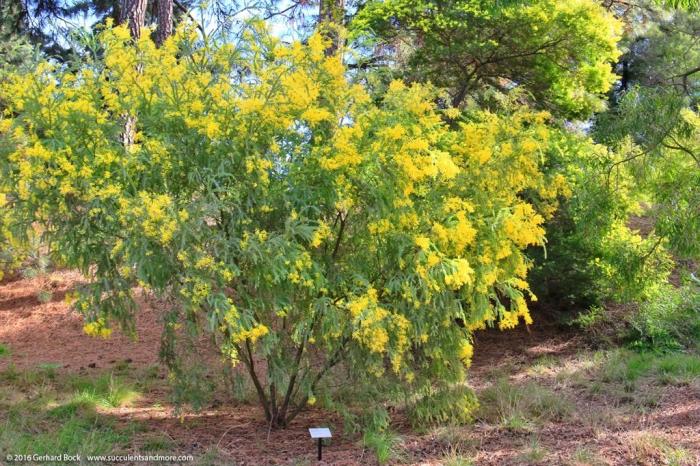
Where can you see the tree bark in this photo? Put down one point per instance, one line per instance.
(133, 13)
(165, 21)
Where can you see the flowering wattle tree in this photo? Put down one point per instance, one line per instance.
(275, 205)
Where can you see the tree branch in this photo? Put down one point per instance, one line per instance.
(182, 8)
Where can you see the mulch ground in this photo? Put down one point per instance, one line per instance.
(49, 332)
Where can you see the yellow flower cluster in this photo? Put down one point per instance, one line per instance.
(97, 329)
(511, 318)
(321, 233)
(373, 325)
(422, 242)
(155, 213)
(462, 275)
(252, 334)
(466, 351)
(524, 226)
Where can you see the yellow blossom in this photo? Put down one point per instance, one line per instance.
(422, 242)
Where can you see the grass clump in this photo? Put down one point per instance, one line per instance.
(534, 454)
(106, 391)
(158, 442)
(679, 368)
(213, 456)
(584, 456)
(79, 433)
(453, 457)
(452, 405)
(520, 407)
(45, 412)
(382, 443)
(629, 366)
(648, 448)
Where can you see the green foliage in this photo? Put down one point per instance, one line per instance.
(281, 210)
(383, 443)
(4, 350)
(668, 321)
(15, 50)
(656, 129)
(592, 252)
(453, 405)
(16, 56)
(558, 52)
(590, 318)
(666, 163)
(680, 4)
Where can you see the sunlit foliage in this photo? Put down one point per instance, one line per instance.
(558, 52)
(277, 206)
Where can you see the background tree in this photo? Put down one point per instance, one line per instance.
(165, 21)
(133, 14)
(559, 53)
(656, 110)
(51, 24)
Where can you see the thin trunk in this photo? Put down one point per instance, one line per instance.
(292, 382)
(165, 21)
(132, 13)
(331, 14)
(250, 364)
(330, 364)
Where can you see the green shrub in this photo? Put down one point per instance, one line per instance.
(589, 319)
(593, 252)
(668, 322)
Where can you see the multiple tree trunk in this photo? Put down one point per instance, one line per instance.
(133, 13)
(279, 412)
(331, 15)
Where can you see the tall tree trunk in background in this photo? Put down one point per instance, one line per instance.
(331, 14)
(133, 13)
(165, 21)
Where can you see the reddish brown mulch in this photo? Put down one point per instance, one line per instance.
(49, 332)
